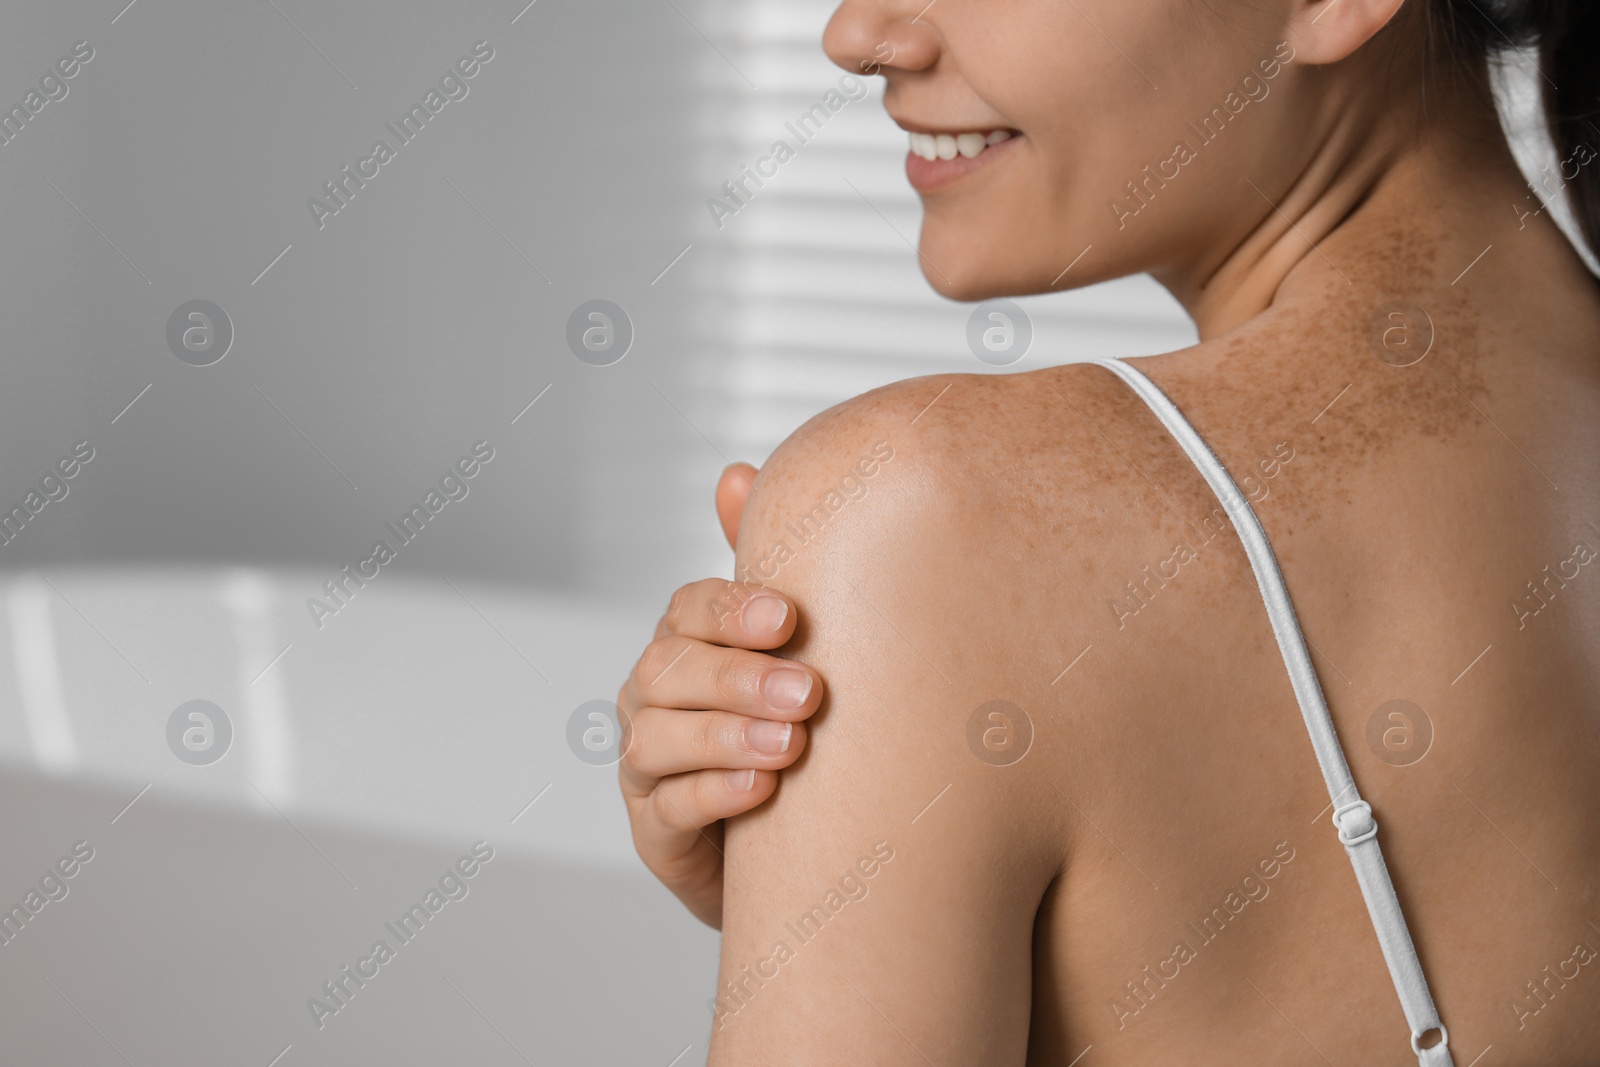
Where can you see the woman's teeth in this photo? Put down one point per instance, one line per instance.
(931, 146)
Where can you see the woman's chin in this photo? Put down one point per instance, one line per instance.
(961, 288)
(969, 278)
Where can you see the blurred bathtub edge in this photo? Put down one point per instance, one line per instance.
(425, 708)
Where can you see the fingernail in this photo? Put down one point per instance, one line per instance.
(742, 781)
(765, 614)
(786, 688)
(770, 737)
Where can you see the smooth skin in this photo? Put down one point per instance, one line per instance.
(1156, 879)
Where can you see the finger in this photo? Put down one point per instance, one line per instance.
(733, 489)
(667, 741)
(680, 672)
(685, 803)
(734, 614)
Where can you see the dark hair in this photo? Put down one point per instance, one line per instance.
(1566, 35)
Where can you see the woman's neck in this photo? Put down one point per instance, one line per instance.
(1343, 207)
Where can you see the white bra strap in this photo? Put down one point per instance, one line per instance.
(1352, 816)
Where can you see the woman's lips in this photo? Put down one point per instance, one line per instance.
(928, 175)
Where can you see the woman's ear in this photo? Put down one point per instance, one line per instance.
(1327, 31)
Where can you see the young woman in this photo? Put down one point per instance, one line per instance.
(1084, 786)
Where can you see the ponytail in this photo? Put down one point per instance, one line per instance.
(1566, 36)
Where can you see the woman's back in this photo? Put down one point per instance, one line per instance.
(1435, 525)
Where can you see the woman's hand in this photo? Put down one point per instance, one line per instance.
(709, 721)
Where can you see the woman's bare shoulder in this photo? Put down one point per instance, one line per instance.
(1058, 435)
(977, 533)
(1016, 538)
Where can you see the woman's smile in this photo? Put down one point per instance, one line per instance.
(936, 159)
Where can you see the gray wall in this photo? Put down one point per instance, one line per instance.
(403, 330)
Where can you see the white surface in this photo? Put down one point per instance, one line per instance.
(417, 710)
